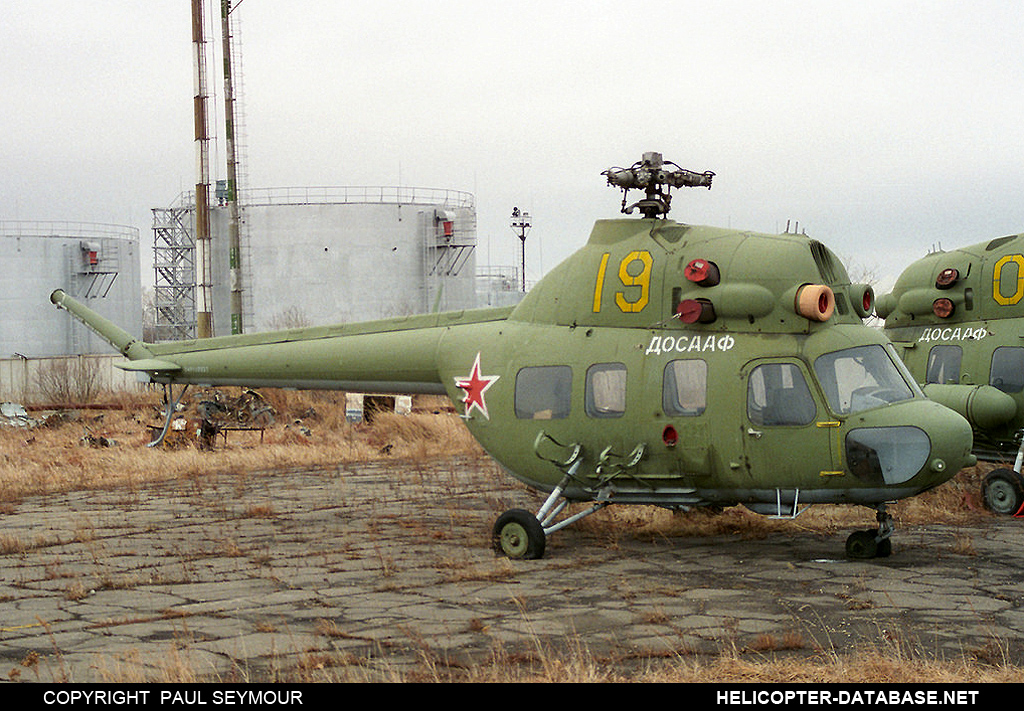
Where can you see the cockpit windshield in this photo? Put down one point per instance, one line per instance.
(861, 378)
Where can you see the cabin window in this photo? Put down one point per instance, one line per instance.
(777, 394)
(685, 387)
(544, 392)
(606, 390)
(944, 364)
(861, 378)
(1007, 372)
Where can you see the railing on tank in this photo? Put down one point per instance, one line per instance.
(54, 228)
(356, 194)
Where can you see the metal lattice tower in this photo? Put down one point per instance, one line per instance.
(174, 263)
(242, 169)
(237, 161)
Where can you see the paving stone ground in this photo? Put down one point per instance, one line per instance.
(384, 570)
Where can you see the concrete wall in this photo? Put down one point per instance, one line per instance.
(19, 377)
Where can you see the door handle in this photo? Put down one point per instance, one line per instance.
(756, 434)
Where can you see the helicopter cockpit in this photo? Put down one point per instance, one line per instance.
(862, 378)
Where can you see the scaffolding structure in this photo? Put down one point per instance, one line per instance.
(174, 265)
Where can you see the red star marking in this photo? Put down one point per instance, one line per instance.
(475, 386)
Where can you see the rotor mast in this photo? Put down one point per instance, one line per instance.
(652, 175)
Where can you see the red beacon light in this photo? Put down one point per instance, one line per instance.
(702, 272)
(695, 311)
(669, 436)
(943, 308)
(947, 278)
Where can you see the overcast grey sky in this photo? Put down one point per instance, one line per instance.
(883, 128)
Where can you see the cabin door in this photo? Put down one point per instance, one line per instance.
(788, 437)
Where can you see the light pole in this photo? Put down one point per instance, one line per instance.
(520, 224)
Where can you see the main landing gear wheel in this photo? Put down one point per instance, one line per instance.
(518, 534)
(1003, 491)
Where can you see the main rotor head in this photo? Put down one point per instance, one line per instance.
(653, 177)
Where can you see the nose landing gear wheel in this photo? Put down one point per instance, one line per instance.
(863, 544)
(870, 543)
(518, 534)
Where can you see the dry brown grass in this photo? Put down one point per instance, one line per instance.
(104, 446)
(575, 663)
(867, 667)
(311, 431)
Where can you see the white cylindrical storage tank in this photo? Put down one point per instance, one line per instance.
(97, 264)
(314, 256)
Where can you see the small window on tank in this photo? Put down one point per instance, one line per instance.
(944, 365)
(544, 392)
(685, 387)
(606, 390)
(1007, 373)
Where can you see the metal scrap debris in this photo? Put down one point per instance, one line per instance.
(13, 414)
(248, 409)
(96, 441)
(213, 413)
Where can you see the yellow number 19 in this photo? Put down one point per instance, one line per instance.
(641, 279)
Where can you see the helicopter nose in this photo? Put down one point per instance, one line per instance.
(952, 440)
(929, 452)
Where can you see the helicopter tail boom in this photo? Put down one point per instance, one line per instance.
(113, 334)
(390, 356)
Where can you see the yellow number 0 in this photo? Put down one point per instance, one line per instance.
(997, 287)
(643, 280)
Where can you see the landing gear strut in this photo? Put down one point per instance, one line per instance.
(170, 407)
(871, 543)
(520, 534)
